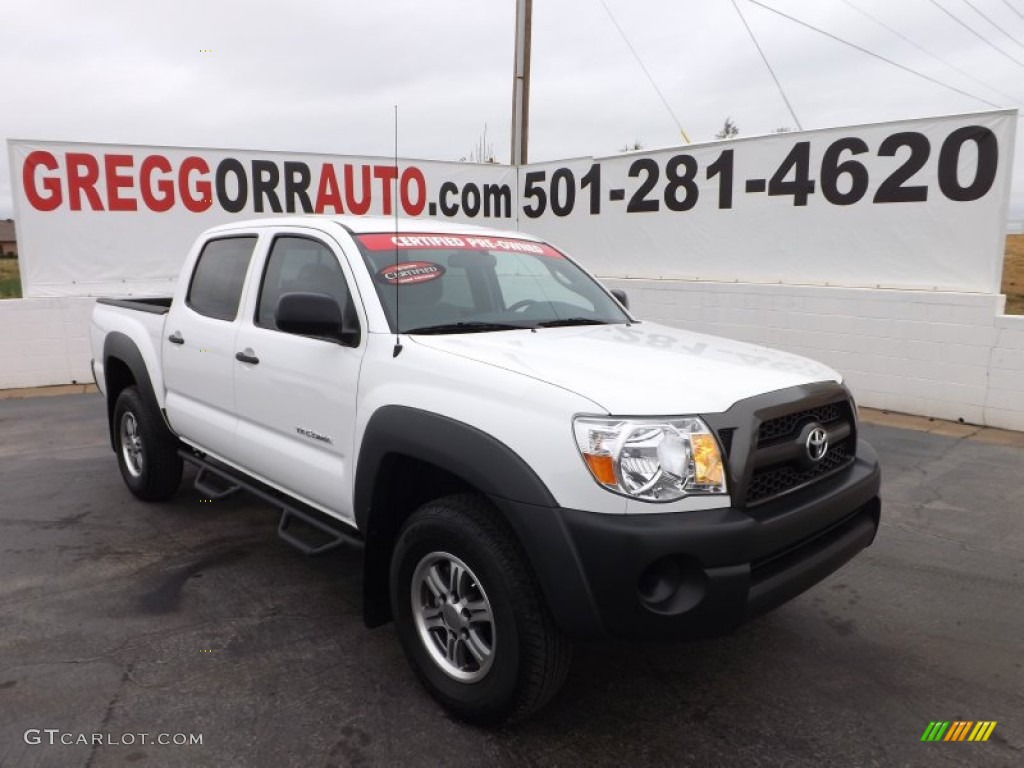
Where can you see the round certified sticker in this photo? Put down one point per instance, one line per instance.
(409, 272)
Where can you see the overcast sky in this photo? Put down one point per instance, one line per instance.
(322, 75)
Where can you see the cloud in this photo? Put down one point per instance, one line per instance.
(316, 76)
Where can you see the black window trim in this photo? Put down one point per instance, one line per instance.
(263, 276)
(255, 237)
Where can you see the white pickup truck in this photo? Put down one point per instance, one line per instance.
(521, 461)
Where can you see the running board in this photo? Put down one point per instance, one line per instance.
(215, 486)
(335, 538)
(218, 481)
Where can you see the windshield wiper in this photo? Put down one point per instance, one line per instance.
(466, 327)
(571, 321)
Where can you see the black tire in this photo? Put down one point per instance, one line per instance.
(150, 466)
(530, 657)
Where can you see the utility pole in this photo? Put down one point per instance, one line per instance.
(521, 83)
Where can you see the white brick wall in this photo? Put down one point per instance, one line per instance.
(947, 355)
(1004, 403)
(44, 341)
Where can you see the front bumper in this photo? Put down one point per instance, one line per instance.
(696, 574)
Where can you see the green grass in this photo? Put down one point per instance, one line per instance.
(10, 279)
(1013, 275)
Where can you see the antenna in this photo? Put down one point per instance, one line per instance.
(394, 202)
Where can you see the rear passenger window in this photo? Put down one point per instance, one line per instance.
(217, 282)
(299, 265)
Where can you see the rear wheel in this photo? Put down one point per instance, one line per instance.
(147, 454)
(470, 614)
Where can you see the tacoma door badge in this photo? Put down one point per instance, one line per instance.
(314, 435)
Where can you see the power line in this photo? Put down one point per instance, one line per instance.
(1007, 4)
(1001, 31)
(977, 34)
(646, 72)
(949, 64)
(769, 66)
(874, 55)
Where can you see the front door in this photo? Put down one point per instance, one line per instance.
(296, 397)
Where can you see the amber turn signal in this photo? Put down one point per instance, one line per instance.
(602, 468)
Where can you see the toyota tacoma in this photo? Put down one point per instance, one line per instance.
(521, 460)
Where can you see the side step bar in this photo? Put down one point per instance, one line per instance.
(218, 481)
(214, 486)
(335, 538)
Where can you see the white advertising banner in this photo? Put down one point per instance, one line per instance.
(103, 219)
(910, 204)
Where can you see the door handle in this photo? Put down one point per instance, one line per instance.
(176, 338)
(245, 357)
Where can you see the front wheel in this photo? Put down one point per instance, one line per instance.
(470, 615)
(147, 454)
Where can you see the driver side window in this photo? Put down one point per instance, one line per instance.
(299, 265)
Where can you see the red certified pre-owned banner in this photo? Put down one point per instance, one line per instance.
(407, 242)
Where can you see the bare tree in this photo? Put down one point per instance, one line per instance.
(633, 146)
(729, 130)
(483, 152)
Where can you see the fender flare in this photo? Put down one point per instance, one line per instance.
(462, 450)
(481, 460)
(119, 346)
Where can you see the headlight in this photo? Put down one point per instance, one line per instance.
(651, 459)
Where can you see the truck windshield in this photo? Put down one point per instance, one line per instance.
(461, 284)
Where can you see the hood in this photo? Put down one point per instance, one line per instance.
(638, 370)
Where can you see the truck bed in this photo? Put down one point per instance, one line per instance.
(141, 320)
(158, 305)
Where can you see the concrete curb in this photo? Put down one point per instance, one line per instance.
(940, 427)
(60, 389)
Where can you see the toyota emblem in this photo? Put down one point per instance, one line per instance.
(817, 444)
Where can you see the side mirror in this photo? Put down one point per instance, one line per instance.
(309, 314)
(620, 294)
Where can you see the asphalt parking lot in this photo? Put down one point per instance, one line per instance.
(122, 618)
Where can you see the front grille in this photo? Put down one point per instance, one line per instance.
(765, 441)
(785, 434)
(768, 482)
(783, 428)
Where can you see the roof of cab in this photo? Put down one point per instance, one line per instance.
(374, 224)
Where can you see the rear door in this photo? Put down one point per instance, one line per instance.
(296, 397)
(199, 346)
